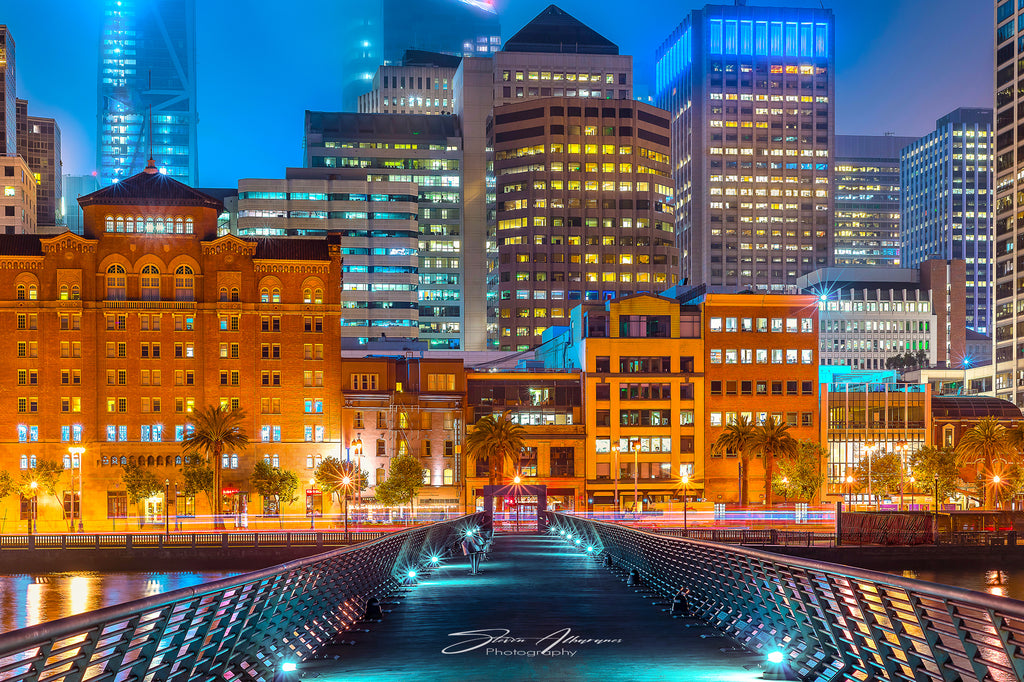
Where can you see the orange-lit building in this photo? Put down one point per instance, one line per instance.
(762, 360)
(114, 337)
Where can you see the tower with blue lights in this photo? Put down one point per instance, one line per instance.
(147, 89)
(751, 92)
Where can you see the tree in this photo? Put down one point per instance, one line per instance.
(405, 477)
(274, 482)
(46, 475)
(139, 483)
(930, 462)
(330, 476)
(800, 476)
(883, 469)
(771, 440)
(215, 429)
(496, 440)
(988, 446)
(735, 438)
(7, 484)
(197, 477)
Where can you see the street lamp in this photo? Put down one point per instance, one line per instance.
(636, 470)
(516, 481)
(911, 481)
(995, 489)
(345, 482)
(312, 503)
(357, 445)
(32, 508)
(686, 482)
(849, 491)
(615, 475)
(167, 518)
(77, 462)
(870, 447)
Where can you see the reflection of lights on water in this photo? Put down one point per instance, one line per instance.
(154, 585)
(997, 591)
(995, 578)
(80, 588)
(34, 603)
(909, 574)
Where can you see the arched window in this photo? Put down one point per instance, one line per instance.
(116, 286)
(223, 294)
(307, 295)
(21, 292)
(150, 283)
(184, 284)
(129, 224)
(63, 292)
(179, 226)
(264, 295)
(318, 296)
(275, 296)
(32, 462)
(131, 459)
(76, 293)
(159, 461)
(159, 225)
(188, 226)
(32, 293)
(104, 461)
(124, 460)
(234, 294)
(150, 461)
(24, 461)
(177, 460)
(109, 223)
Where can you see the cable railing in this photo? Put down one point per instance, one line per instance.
(830, 622)
(242, 628)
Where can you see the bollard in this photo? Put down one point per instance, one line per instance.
(680, 604)
(634, 578)
(373, 610)
(608, 563)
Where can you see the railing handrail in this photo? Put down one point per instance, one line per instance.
(934, 589)
(71, 625)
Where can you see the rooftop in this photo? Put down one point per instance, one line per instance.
(971, 408)
(379, 127)
(555, 30)
(150, 188)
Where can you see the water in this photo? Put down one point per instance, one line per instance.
(31, 599)
(1002, 583)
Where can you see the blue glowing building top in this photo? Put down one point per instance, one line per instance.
(147, 89)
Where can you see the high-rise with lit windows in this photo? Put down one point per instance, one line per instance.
(147, 89)
(867, 199)
(8, 94)
(946, 208)
(380, 31)
(751, 93)
(1008, 166)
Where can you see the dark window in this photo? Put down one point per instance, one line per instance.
(603, 392)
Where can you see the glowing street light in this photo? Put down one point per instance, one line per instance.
(77, 461)
(849, 490)
(686, 482)
(312, 503)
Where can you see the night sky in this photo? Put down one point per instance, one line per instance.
(901, 64)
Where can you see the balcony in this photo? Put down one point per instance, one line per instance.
(149, 305)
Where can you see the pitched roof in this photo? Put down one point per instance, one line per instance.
(150, 188)
(21, 245)
(291, 248)
(555, 30)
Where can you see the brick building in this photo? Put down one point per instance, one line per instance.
(117, 335)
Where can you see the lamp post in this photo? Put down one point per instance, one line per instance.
(515, 490)
(32, 508)
(357, 445)
(686, 482)
(966, 362)
(167, 507)
(312, 503)
(77, 462)
(870, 448)
(936, 500)
(911, 481)
(345, 482)
(615, 475)
(995, 488)
(636, 470)
(849, 491)
(901, 447)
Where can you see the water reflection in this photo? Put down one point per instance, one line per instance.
(1002, 583)
(32, 599)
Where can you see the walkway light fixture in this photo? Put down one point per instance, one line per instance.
(77, 461)
(289, 667)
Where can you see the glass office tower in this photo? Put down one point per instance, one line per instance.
(147, 89)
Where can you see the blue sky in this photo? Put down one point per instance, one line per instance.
(901, 64)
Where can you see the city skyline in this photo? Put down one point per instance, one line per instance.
(871, 63)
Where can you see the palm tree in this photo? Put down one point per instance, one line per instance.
(498, 440)
(771, 440)
(215, 428)
(735, 437)
(990, 445)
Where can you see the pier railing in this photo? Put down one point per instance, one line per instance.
(240, 628)
(830, 622)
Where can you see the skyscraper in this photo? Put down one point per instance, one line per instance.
(867, 195)
(8, 94)
(39, 145)
(380, 31)
(946, 205)
(147, 89)
(751, 94)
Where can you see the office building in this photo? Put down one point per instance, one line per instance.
(583, 209)
(422, 84)
(871, 317)
(75, 187)
(8, 94)
(117, 336)
(147, 89)
(17, 196)
(751, 95)
(379, 32)
(376, 229)
(39, 145)
(425, 150)
(946, 203)
(867, 199)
